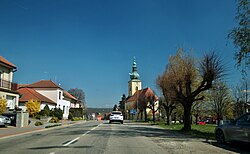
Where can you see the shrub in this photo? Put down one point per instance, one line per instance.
(57, 112)
(38, 123)
(33, 107)
(54, 120)
(3, 105)
(45, 111)
(76, 112)
(38, 116)
(77, 118)
(70, 115)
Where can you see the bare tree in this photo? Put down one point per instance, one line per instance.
(186, 82)
(78, 94)
(220, 99)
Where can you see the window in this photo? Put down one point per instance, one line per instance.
(136, 88)
(60, 93)
(63, 109)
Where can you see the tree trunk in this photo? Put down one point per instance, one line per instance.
(187, 116)
(154, 113)
(145, 114)
(196, 118)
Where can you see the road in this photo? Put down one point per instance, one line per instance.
(100, 137)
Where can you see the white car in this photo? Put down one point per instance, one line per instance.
(116, 116)
(4, 121)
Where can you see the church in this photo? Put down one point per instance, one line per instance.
(136, 97)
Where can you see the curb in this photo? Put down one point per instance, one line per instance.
(14, 134)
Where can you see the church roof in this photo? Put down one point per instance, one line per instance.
(142, 94)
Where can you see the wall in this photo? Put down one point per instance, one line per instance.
(133, 84)
(11, 103)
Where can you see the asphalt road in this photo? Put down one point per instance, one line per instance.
(100, 137)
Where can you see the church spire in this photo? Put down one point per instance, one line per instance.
(134, 74)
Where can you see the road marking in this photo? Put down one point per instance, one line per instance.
(71, 141)
(79, 137)
(52, 153)
(90, 130)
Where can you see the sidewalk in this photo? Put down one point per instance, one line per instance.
(12, 131)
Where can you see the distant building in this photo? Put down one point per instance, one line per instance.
(135, 92)
(7, 87)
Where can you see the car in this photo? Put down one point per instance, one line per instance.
(116, 116)
(236, 130)
(4, 121)
(201, 122)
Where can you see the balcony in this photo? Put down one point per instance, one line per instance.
(8, 85)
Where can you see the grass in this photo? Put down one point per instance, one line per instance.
(199, 131)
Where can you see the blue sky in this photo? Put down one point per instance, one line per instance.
(90, 44)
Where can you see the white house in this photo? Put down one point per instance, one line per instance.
(54, 92)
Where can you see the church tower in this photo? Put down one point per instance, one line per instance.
(134, 84)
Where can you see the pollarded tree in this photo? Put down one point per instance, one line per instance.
(3, 105)
(186, 81)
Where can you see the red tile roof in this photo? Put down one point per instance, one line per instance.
(142, 93)
(28, 94)
(3, 60)
(134, 97)
(68, 95)
(43, 84)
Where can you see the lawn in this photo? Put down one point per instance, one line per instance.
(200, 131)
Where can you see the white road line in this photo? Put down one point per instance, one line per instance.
(52, 153)
(79, 137)
(71, 141)
(90, 130)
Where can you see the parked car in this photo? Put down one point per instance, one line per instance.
(116, 116)
(12, 117)
(236, 130)
(4, 121)
(201, 122)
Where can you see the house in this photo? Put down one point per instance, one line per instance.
(7, 87)
(73, 101)
(53, 92)
(29, 93)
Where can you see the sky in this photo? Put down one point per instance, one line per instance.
(90, 44)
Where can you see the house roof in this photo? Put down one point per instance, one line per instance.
(43, 84)
(68, 95)
(3, 60)
(28, 94)
(142, 93)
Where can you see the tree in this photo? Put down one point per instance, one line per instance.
(220, 99)
(186, 81)
(241, 34)
(115, 108)
(122, 103)
(152, 105)
(167, 103)
(240, 96)
(78, 94)
(33, 107)
(3, 105)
